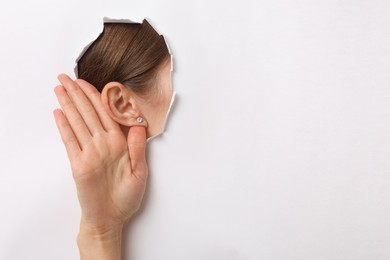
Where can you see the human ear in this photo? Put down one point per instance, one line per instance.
(121, 104)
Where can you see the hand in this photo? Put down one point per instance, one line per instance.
(109, 170)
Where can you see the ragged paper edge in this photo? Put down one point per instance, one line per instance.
(166, 42)
(113, 20)
(105, 20)
(166, 118)
(173, 94)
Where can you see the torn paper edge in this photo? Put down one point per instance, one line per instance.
(113, 20)
(105, 20)
(166, 118)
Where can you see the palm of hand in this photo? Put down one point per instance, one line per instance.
(108, 192)
(109, 170)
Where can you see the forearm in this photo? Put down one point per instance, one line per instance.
(97, 246)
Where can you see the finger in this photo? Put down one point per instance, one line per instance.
(74, 118)
(81, 101)
(67, 135)
(136, 141)
(95, 97)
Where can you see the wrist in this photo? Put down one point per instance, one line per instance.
(99, 243)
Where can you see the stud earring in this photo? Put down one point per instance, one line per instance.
(139, 119)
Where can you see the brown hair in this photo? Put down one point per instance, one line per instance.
(129, 53)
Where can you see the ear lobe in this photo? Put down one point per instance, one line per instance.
(121, 105)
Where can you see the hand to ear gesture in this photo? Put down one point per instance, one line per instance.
(109, 169)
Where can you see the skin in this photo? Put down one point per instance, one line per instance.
(106, 148)
(124, 106)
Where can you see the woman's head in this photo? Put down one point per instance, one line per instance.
(130, 64)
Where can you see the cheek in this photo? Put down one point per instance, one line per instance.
(159, 108)
(164, 100)
(168, 99)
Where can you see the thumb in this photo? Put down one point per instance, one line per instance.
(136, 141)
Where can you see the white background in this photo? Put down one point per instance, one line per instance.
(277, 147)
